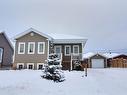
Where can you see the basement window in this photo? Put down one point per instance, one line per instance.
(30, 65)
(20, 66)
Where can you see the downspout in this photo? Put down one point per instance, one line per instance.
(14, 53)
(48, 50)
(82, 50)
(106, 63)
(71, 61)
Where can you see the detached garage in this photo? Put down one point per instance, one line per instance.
(96, 60)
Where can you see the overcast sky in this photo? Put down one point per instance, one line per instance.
(102, 22)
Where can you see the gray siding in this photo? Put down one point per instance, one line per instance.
(8, 51)
(66, 61)
(31, 58)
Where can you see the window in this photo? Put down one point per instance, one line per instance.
(76, 49)
(1, 54)
(21, 48)
(67, 50)
(31, 47)
(30, 65)
(40, 66)
(20, 65)
(57, 49)
(41, 47)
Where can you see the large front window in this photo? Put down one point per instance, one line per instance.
(41, 47)
(1, 54)
(31, 47)
(21, 48)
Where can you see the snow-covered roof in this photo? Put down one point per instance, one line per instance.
(111, 55)
(107, 55)
(65, 38)
(7, 39)
(90, 54)
(57, 38)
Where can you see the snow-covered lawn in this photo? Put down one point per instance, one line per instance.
(98, 82)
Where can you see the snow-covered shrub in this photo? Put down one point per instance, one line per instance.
(53, 70)
(77, 65)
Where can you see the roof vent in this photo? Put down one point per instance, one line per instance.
(32, 34)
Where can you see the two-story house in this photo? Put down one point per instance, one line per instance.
(33, 47)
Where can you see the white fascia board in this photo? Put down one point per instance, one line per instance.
(70, 41)
(32, 29)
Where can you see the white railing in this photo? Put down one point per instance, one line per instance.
(76, 56)
(60, 57)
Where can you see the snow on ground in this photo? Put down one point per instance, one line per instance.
(98, 82)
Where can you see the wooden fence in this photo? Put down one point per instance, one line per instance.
(118, 63)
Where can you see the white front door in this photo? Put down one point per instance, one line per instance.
(1, 54)
(97, 63)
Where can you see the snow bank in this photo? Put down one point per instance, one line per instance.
(98, 82)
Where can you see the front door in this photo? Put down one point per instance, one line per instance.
(1, 55)
(58, 49)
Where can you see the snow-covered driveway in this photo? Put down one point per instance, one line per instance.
(98, 82)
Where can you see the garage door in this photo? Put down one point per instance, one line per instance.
(97, 63)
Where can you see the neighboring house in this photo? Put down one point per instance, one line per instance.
(33, 47)
(6, 51)
(110, 56)
(115, 56)
(95, 60)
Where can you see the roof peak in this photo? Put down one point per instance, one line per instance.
(30, 30)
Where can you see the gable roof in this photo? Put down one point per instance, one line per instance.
(4, 34)
(30, 30)
(57, 38)
(88, 55)
(91, 54)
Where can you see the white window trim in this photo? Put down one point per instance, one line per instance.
(30, 64)
(69, 50)
(19, 48)
(43, 47)
(33, 47)
(1, 55)
(58, 47)
(73, 49)
(39, 64)
(20, 64)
